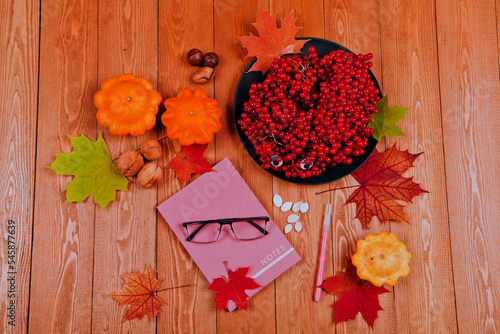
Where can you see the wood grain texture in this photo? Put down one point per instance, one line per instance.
(295, 309)
(180, 29)
(426, 301)
(498, 29)
(470, 95)
(125, 232)
(61, 280)
(355, 25)
(19, 28)
(234, 18)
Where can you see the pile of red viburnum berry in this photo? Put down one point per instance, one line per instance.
(310, 113)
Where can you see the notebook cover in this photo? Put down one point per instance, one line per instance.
(224, 194)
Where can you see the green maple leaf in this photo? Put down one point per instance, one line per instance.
(94, 171)
(384, 122)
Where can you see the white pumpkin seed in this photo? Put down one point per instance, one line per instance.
(298, 226)
(277, 200)
(288, 228)
(304, 207)
(292, 219)
(286, 206)
(296, 207)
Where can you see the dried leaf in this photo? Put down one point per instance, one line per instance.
(139, 292)
(190, 160)
(272, 42)
(355, 296)
(382, 184)
(94, 171)
(233, 288)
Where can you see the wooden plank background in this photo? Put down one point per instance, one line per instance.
(441, 58)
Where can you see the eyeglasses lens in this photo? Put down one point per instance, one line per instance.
(208, 233)
(245, 230)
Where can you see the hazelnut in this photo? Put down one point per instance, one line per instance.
(129, 163)
(151, 149)
(194, 57)
(203, 75)
(150, 175)
(211, 59)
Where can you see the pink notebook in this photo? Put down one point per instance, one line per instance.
(224, 194)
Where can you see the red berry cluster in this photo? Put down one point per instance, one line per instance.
(311, 112)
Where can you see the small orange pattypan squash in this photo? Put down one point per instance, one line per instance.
(127, 105)
(191, 117)
(381, 259)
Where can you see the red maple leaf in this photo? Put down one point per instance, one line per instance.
(382, 185)
(355, 295)
(139, 292)
(189, 160)
(272, 42)
(233, 288)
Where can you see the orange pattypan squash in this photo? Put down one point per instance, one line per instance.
(381, 259)
(191, 117)
(127, 105)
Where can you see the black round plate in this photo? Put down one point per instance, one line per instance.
(241, 95)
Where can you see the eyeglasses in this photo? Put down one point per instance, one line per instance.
(206, 231)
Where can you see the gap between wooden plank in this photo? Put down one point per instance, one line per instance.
(444, 160)
(36, 152)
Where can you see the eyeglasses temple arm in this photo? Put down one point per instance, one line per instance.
(258, 227)
(225, 220)
(195, 232)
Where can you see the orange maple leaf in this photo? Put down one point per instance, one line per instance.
(190, 160)
(272, 42)
(139, 292)
(382, 184)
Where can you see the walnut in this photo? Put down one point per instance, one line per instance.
(150, 175)
(129, 163)
(151, 149)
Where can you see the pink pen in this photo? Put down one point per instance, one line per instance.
(322, 253)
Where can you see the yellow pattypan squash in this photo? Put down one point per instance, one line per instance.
(191, 117)
(381, 259)
(127, 105)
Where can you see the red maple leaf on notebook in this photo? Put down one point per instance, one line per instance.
(190, 160)
(233, 287)
(355, 296)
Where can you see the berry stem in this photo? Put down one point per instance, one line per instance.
(324, 191)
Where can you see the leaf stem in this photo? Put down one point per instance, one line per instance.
(175, 287)
(324, 191)
(137, 149)
(157, 139)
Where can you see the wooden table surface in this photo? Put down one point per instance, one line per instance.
(441, 58)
